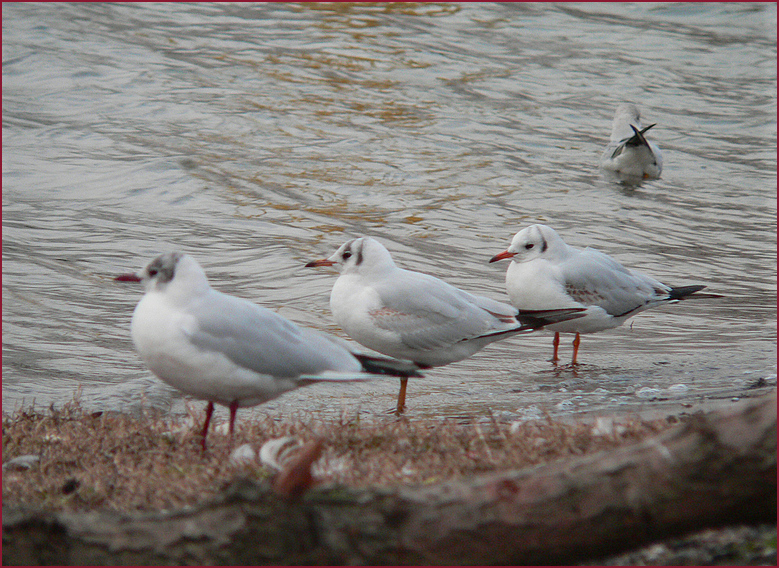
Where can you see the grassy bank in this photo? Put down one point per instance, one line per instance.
(76, 460)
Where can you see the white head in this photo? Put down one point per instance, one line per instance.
(535, 241)
(362, 255)
(627, 114)
(171, 273)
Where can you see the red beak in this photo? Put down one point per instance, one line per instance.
(128, 278)
(322, 262)
(502, 256)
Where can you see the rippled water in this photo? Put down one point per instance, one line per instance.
(259, 136)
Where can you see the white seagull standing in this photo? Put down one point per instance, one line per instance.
(417, 317)
(546, 273)
(629, 153)
(230, 351)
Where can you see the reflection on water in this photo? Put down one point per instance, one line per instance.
(259, 136)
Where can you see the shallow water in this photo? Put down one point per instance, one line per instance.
(258, 137)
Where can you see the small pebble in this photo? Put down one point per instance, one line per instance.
(678, 389)
(22, 462)
(565, 405)
(603, 426)
(530, 413)
(648, 393)
(243, 455)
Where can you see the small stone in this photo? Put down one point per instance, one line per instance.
(603, 427)
(648, 393)
(678, 389)
(22, 462)
(243, 455)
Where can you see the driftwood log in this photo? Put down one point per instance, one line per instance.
(717, 469)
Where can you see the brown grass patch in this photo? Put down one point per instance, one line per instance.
(114, 461)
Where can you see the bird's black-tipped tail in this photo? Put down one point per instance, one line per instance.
(684, 292)
(638, 138)
(531, 320)
(386, 366)
(536, 319)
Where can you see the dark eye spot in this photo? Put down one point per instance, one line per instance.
(153, 272)
(346, 255)
(529, 246)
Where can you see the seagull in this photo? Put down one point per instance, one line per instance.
(629, 153)
(417, 317)
(229, 351)
(546, 273)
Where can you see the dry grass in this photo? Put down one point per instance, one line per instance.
(112, 461)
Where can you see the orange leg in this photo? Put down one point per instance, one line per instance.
(576, 341)
(556, 344)
(402, 396)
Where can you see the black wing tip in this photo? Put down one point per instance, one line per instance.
(638, 137)
(387, 366)
(536, 319)
(684, 292)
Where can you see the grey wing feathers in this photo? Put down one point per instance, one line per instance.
(258, 339)
(436, 314)
(594, 278)
(616, 151)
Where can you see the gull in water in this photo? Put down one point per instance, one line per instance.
(546, 273)
(415, 316)
(629, 154)
(229, 351)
